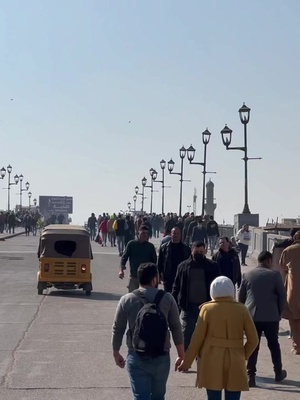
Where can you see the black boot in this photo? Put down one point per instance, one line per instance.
(279, 377)
(251, 381)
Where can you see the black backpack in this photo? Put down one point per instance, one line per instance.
(151, 327)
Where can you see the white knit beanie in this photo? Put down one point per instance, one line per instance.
(221, 287)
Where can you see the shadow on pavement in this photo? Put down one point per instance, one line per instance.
(80, 293)
(285, 386)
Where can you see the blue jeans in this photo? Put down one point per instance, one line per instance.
(121, 244)
(148, 376)
(212, 240)
(217, 395)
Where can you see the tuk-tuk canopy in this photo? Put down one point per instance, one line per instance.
(60, 241)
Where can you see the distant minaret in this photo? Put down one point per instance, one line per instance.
(209, 205)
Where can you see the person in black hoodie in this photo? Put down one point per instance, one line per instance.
(191, 287)
(228, 261)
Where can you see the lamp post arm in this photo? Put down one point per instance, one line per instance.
(175, 173)
(236, 148)
(197, 163)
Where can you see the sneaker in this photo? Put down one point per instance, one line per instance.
(281, 376)
(251, 381)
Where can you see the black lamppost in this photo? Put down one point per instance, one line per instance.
(171, 163)
(226, 133)
(134, 201)
(129, 206)
(136, 189)
(29, 197)
(153, 175)
(27, 185)
(162, 166)
(35, 202)
(16, 181)
(191, 155)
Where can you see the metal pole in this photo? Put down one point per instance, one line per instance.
(204, 180)
(246, 209)
(8, 196)
(163, 192)
(20, 194)
(180, 195)
(143, 198)
(151, 199)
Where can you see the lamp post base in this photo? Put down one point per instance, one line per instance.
(249, 219)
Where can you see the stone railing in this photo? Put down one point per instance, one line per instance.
(260, 239)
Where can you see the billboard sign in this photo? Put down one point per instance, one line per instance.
(56, 204)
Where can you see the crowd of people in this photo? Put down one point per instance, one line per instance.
(10, 220)
(208, 305)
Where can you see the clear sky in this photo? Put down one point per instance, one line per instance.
(79, 70)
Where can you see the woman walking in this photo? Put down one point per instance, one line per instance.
(218, 343)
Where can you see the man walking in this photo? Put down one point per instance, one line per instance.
(263, 293)
(191, 287)
(148, 374)
(137, 252)
(119, 227)
(290, 267)
(228, 261)
(92, 226)
(243, 238)
(212, 233)
(171, 254)
(199, 232)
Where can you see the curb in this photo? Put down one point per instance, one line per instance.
(2, 239)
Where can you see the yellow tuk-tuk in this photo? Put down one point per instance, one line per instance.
(65, 255)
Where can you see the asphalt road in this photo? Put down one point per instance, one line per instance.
(57, 346)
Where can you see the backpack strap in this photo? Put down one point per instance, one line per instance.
(159, 295)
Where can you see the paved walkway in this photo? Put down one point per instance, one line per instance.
(57, 346)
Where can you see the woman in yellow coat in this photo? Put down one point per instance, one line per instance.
(218, 343)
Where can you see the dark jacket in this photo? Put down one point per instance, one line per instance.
(181, 283)
(190, 228)
(199, 234)
(262, 291)
(138, 253)
(120, 231)
(164, 263)
(222, 258)
(186, 224)
(212, 228)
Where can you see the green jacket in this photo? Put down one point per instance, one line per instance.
(138, 253)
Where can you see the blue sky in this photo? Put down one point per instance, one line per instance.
(79, 70)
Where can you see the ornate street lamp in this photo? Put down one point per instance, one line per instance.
(29, 197)
(16, 181)
(27, 185)
(171, 164)
(134, 201)
(226, 133)
(191, 155)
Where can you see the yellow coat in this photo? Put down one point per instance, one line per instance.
(218, 341)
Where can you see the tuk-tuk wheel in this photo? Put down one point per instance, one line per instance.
(40, 291)
(88, 292)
